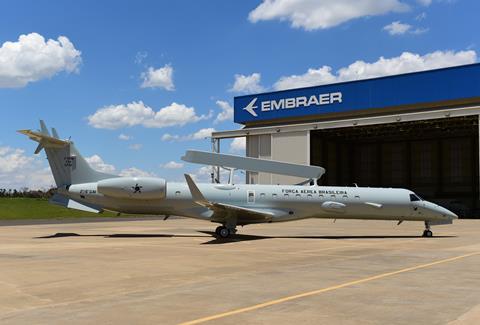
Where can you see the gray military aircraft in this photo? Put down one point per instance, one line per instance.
(80, 187)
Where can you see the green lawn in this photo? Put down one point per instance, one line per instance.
(26, 208)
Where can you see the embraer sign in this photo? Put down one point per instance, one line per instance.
(432, 88)
(293, 102)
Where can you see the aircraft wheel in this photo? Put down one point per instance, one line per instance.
(217, 231)
(224, 232)
(427, 233)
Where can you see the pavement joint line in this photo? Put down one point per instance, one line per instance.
(319, 291)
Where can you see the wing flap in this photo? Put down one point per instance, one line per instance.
(221, 212)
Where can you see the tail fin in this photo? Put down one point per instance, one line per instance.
(67, 164)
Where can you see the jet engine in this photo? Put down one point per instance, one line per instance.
(143, 188)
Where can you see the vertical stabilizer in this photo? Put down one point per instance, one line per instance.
(67, 164)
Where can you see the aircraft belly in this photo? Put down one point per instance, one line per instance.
(154, 207)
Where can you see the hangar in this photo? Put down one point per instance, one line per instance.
(416, 130)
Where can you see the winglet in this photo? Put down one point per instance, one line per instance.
(196, 194)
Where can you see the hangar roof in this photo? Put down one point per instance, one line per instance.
(404, 93)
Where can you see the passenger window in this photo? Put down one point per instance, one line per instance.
(177, 193)
(309, 196)
(345, 197)
(251, 197)
(285, 195)
(297, 196)
(274, 195)
(333, 196)
(262, 195)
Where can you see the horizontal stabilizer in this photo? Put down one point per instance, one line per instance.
(253, 164)
(66, 202)
(39, 148)
(45, 141)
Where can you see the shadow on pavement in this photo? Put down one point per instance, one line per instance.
(237, 238)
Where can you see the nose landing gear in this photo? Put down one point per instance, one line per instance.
(427, 232)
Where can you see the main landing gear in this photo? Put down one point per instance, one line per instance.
(427, 232)
(225, 232)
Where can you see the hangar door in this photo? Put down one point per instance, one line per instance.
(438, 159)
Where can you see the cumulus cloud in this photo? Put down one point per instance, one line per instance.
(33, 58)
(421, 16)
(397, 28)
(135, 172)
(322, 14)
(226, 113)
(238, 145)
(19, 170)
(140, 56)
(419, 30)
(97, 163)
(406, 62)
(137, 113)
(425, 3)
(135, 146)
(199, 135)
(172, 165)
(124, 137)
(158, 78)
(247, 84)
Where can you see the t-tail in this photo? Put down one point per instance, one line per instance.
(67, 164)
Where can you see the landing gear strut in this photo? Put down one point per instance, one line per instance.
(427, 232)
(225, 232)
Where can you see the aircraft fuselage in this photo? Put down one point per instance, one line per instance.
(297, 202)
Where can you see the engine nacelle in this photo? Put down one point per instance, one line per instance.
(143, 188)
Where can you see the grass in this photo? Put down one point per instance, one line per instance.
(27, 208)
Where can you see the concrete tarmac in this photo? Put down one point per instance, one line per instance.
(174, 271)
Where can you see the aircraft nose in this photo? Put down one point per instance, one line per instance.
(442, 211)
(451, 214)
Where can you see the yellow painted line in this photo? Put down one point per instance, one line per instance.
(316, 292)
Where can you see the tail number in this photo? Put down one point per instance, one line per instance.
(69, 161)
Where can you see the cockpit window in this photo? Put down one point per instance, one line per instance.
(414, 197)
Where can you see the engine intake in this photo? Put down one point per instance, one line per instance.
(143, 188)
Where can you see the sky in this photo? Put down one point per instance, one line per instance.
(136, 83)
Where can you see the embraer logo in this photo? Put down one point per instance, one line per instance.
(294, 102)
(251, 106)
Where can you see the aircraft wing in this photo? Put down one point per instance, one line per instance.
(222, 211)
